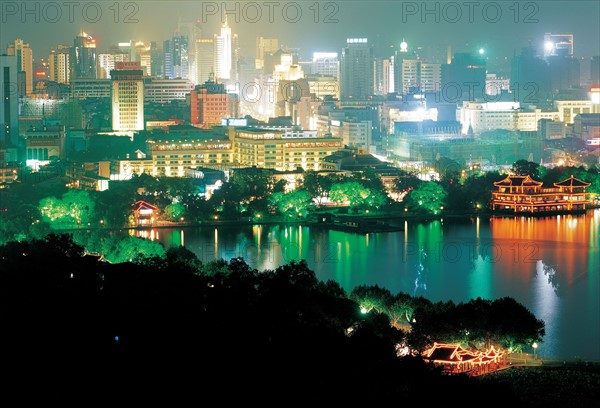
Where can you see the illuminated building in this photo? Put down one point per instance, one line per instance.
(209, 103)
(558, 45)
(522, 194)
(22, 51)
(174, 155)
(455, 359)
(9, 137)
(281, 149)
(357, 69)
(44, 144)
(127, 92)
(83, 57)
(223, 53)
(60, 64)
(166, 90)
(326, 64)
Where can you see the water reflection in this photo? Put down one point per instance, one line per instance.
(551, 265)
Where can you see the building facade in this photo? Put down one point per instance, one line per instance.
(522, 194)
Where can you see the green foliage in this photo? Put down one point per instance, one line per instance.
(75, 207)
(523, 168)
(427, 198)
(293, 203)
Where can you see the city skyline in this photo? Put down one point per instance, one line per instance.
(311, 27)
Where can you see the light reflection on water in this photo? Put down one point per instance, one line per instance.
(551, 264)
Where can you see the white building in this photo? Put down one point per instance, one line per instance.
(326, 64)
(353, 133)
(487, 116)
(223, 53)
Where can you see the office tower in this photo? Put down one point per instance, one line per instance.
(22, 51)
(9, 138)
(529, 77)
(558, 45)
(326, 64)
(192, 30)
(210, 103)
(464, 78)
(205, 59)
(127, 96)
(60, 66)
(356, 65)
(595, 70)
(106, 62)
(157, 59)
(83, 57)
(176, 57)
(223, 53)
(563, 68)
(265, 46)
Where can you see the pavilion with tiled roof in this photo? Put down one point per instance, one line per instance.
(522, 194)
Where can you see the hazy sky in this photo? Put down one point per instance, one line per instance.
(501, 27)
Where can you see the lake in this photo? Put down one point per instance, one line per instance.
(549, 264)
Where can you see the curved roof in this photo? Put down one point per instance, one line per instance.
(572, 182)
(515, 181)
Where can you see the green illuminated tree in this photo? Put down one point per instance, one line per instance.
(292, 203)
(427, 198)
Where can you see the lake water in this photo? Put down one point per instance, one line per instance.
(551, 265)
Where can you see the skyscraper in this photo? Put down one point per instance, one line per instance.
(127, 95)
(223, 53)
(83, 57)
(176, 57)
(22, 51)
(60, 66)
(464, 78)
(265, 46)
(357, 69)
(9, 138)
(205, 58)
(558, 45)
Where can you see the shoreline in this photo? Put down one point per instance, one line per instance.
(386, 221)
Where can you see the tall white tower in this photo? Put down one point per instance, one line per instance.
(223, 53)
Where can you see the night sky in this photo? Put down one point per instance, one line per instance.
(501, 27)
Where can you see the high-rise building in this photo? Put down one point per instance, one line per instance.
(464, 78)
(127, 95)
(176, 57)
(83, 57)
(223, 53)
(210, 103)
(9, 138)
(529, 77)
(60, 66)
(192, 30)
(205, 59)
(265, 46)
(357, 69)
(326, 64)
(106, 63)
(558, 45)
(22, 51)
(595, 70)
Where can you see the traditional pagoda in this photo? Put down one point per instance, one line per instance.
(522, 194)
(144, 213)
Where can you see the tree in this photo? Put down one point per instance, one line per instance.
(526, 168)
(294, 203)
(427, 198)
(350, 193)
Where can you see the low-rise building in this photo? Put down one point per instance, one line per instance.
(522, 194)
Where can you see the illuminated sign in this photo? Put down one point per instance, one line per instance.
(127, 65)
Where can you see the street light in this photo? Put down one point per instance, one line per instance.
(535, 346)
